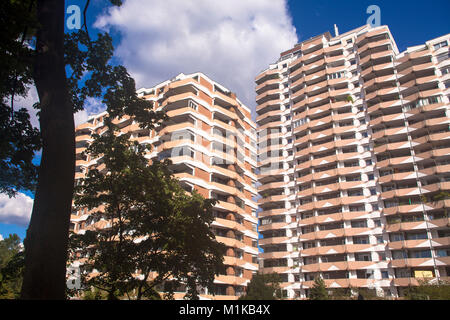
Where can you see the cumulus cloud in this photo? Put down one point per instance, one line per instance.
(27, 103)
(91, 106)
(1, 237)
(230, 41)
(80, 117)
(16, 210)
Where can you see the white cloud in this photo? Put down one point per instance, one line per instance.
(230, 41)
(80, 117)
(91, 106)
(15, 210)
(27, 103)
(1, 237)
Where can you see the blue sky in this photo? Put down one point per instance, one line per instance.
(237, 37)
(411, 22)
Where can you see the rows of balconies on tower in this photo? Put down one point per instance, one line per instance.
(346, 134)
(275, 160)
(210, 139)
(335, 180)
(410, 125)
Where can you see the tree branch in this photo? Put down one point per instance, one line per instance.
(84, 26)
(15, 75)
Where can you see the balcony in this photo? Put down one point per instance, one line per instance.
(412, 262)
(406, 226)
(408, 244)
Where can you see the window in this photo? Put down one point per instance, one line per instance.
(365, 134)
(445, 70)
(380, 240)
(447, 84)
(371, 177)
(443, 233)
(384, 275)
(443, 252)
(423, 102)
(417, 236)
(363, 257)
(402, 273)
(349, 165)
(355, 193)
(336, 75)
(420, 254)
(361, 240)
(356, 208)
(299, 123)
(345, 123)
(397, 237)
(310, 260)
(375, 207)
(308, 245)
(359, 224)
(349, 150)
(443, 56)
(397, 255)
(377, 223)
(373, 192)
(440, 45)
(307, 229)
(192, 104)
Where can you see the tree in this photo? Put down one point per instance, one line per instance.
(19, 139)
(341, 294)
(263, 287)
(318, 290)
(65, 69)
(440, 290)
(11, 267)
(154, 226)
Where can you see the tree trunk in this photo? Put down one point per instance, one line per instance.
(47, 235)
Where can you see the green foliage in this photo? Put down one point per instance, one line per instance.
(263, 287)
(91, 75)
(155, 226)
(341, 294)
(8, 248)
(19, 140)
(11, 267)
(428, 291)
(318, 290)
(349, 99)
(94, 294)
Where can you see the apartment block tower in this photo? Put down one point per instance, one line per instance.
(354, 163)
(211, 141)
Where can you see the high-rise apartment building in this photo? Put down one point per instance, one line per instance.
(211, 141)
(354, 160)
